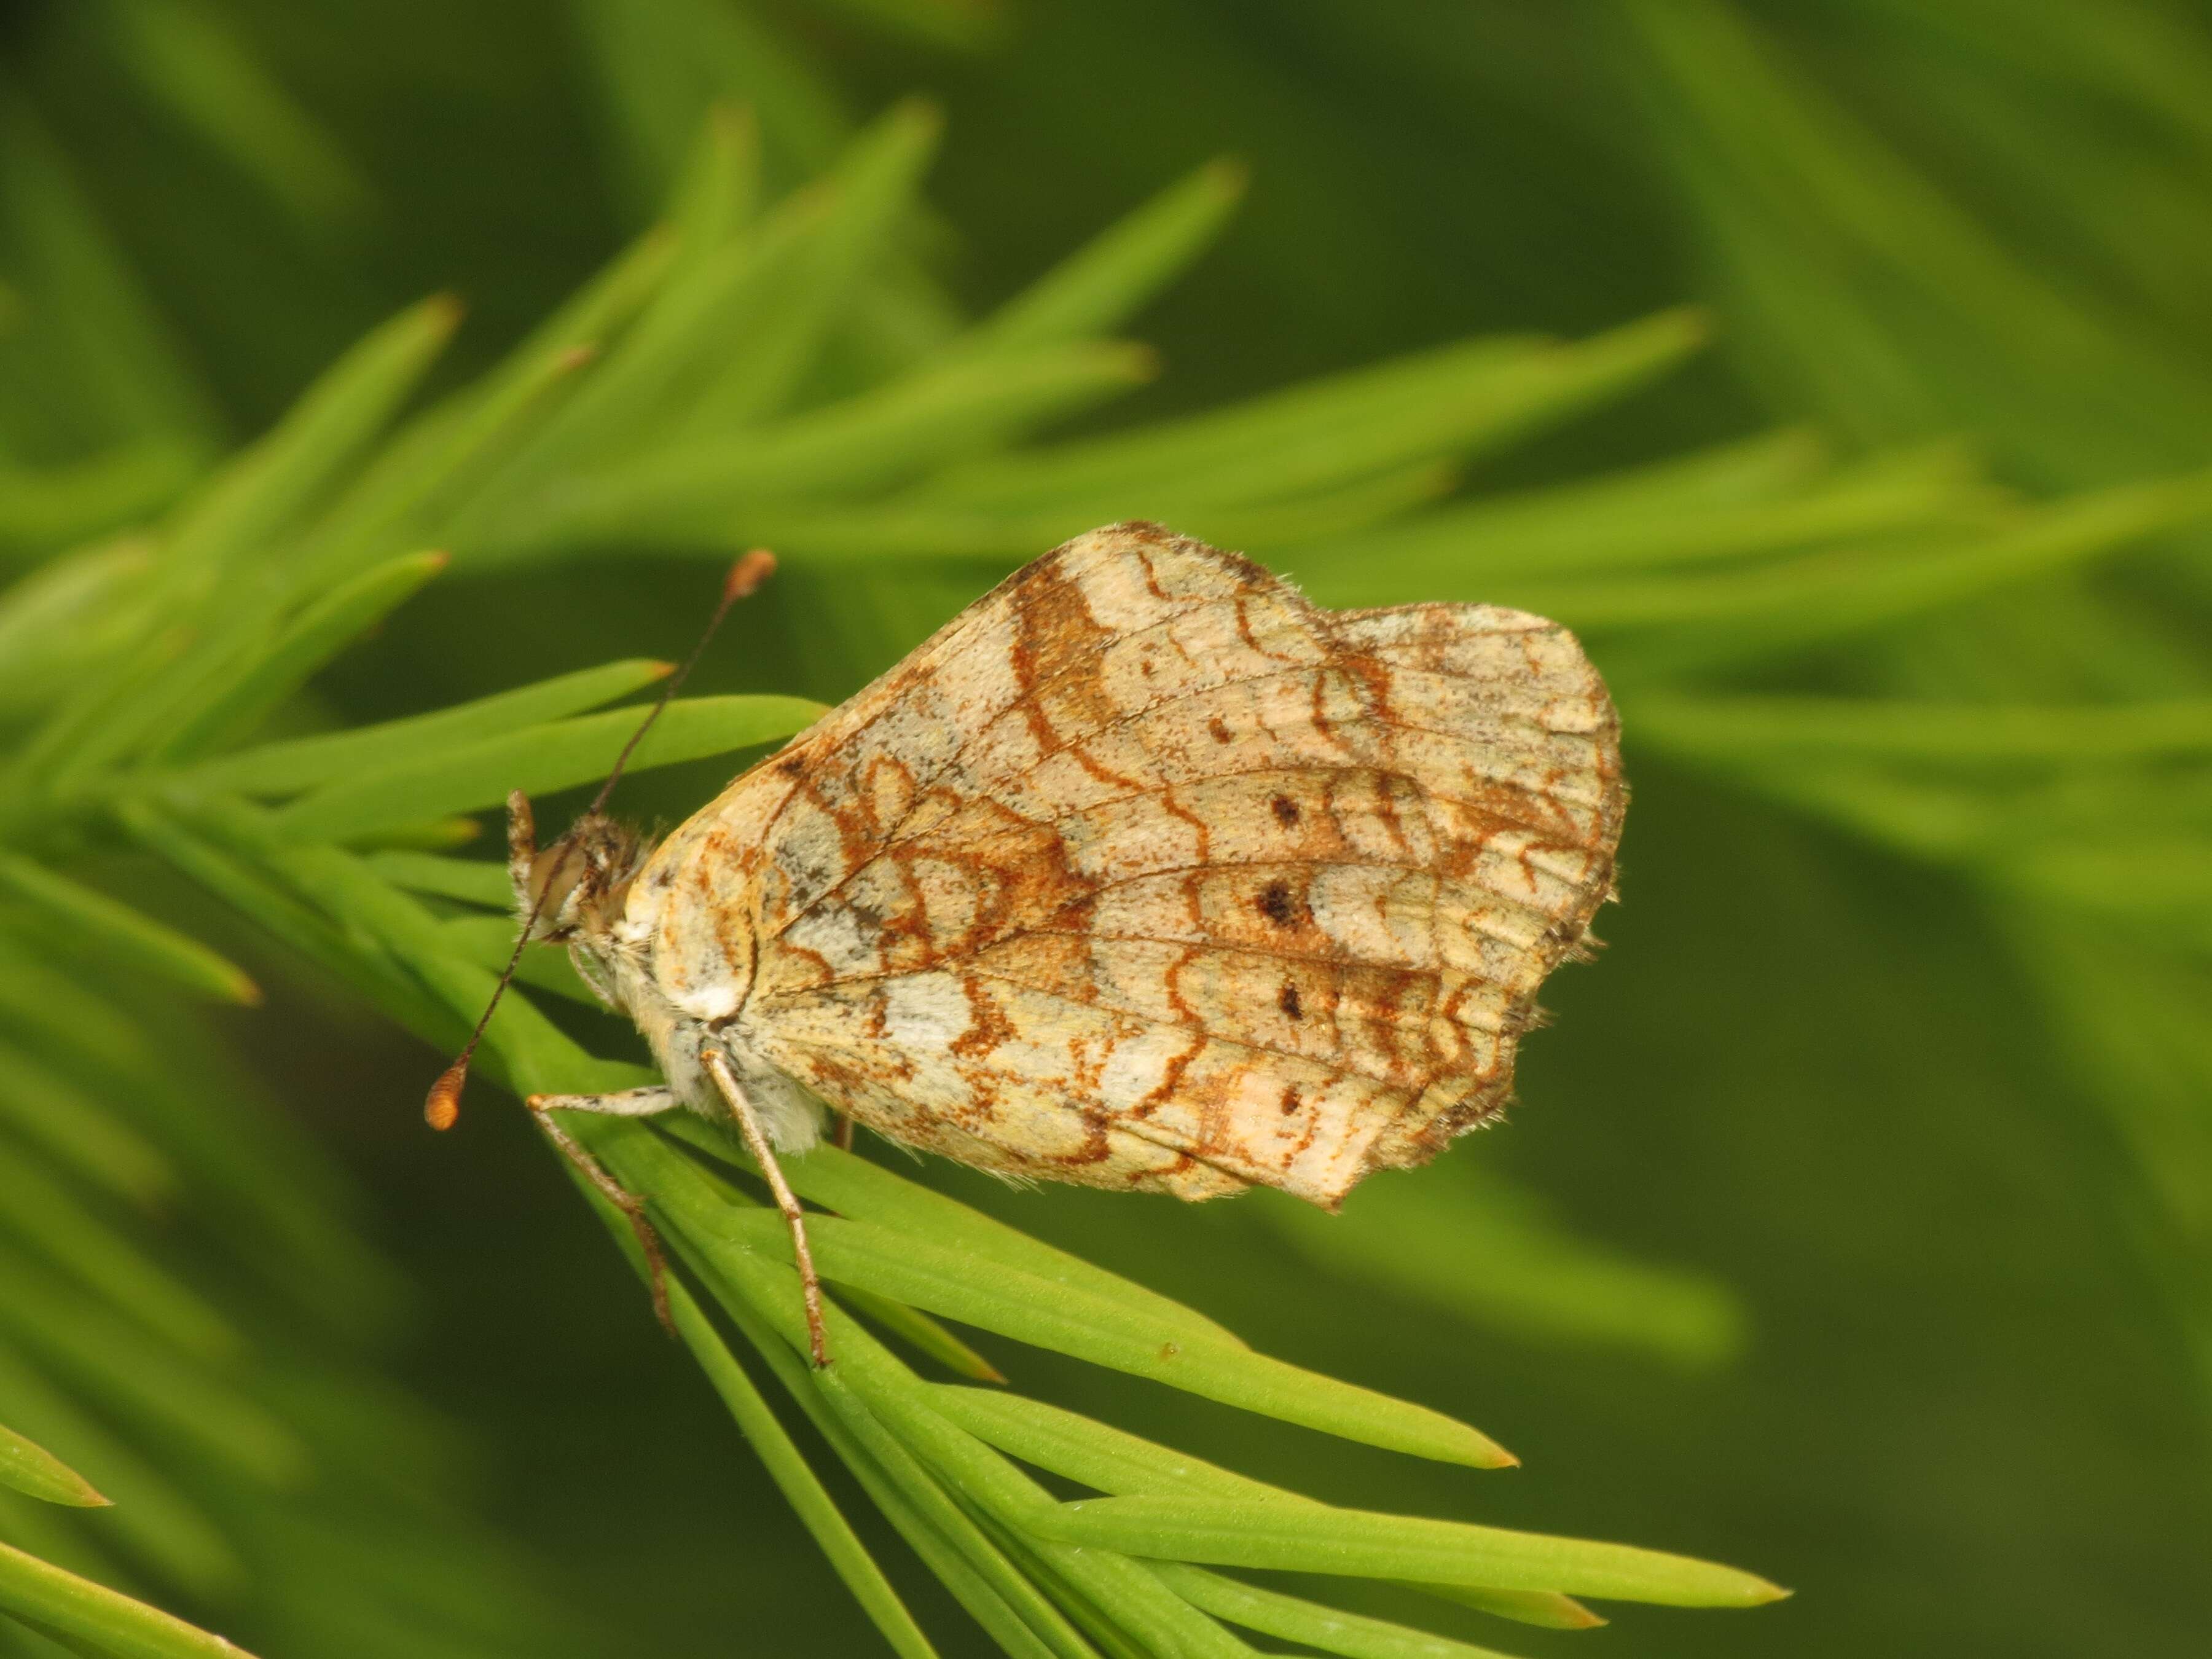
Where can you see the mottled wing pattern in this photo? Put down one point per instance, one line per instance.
(1145, 872)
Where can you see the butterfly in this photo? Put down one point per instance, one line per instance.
(1143, 872)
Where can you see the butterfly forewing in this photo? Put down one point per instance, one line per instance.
(1145, 872)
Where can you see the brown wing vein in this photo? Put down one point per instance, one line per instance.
(980, 844)
(1136, 1019)
(1268, 953)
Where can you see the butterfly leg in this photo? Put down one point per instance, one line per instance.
(725, 1080)
(633, 1102)
(844, 1132)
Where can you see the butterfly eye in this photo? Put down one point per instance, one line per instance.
(555, 875)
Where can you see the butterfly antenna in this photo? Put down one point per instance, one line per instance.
(442, 1108)
(744, 579)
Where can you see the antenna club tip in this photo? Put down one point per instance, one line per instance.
(441, 1109)
(747, 574)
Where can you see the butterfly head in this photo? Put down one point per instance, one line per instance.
(574, 888)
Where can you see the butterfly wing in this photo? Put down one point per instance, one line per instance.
(1145, 872)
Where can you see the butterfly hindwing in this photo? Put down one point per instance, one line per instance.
(1145, 872)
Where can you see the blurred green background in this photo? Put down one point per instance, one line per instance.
(1854, 1226)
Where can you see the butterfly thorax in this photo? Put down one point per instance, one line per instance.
(678, 959)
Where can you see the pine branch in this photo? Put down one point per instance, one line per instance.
(699, 396)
